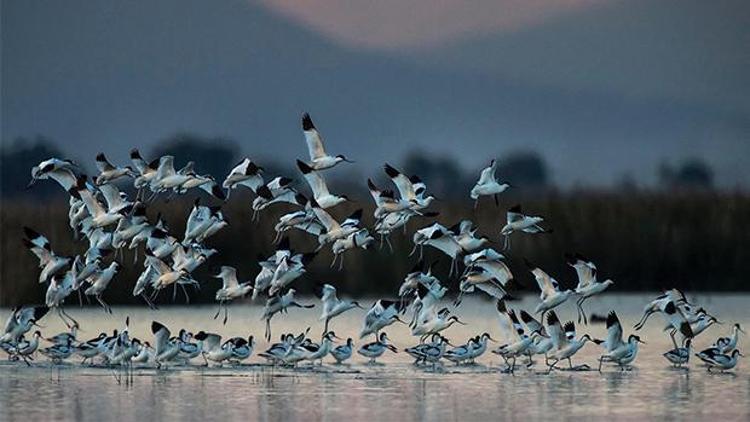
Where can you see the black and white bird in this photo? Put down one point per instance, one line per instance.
(564, 341)
(231, 289)
(376, 349)
(319, 188)
(488, 185)
(20, 322)
(278, 190)
(61, 171)
(440, 238)
(616, 350)
(333, 306)
(680, 355)
(145, 172)
(319, 159)
(108, 172)
(411, 189)
(516, 221)
(720, 361)
(50, 263)
(551, 295)
(727, 344)
(518, 341)
(246, 173)
(166, 349)
(100, 281)
(278, 303)
(588, 285)
(343, 352)
(241, 348)
(464, 232)
(380, 315)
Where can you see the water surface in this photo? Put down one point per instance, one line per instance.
(393, 391)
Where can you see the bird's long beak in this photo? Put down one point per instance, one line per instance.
(740, 328)
(491, 339)
(349, 161)
(460, 322)
(641, 341)
(401, 321)
(31, 183)
(336, 337)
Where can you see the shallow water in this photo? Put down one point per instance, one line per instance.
(393, 391)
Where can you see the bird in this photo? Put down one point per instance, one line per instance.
(519, 222)
(464, 233)
(316, 352)
(430, 352)
(50, 263)
(100, 281)
(213, 349)
(617, 350)
(441, 239)
(541, 341)
(20, 321)
(551, 296)
(188, 349)
(588, 285)
(25, 349)
(381, 314)
(564, 341)
(241, 348)
(289, 269)
(376, 349)
(58, 352)
(460, 354)
(58, 290)
(278, 303)
(487, 185)
(319, 160)
(144, 172)
(278, 190)
(433, 323)
(680, 355)
(231, 289)
(519, 341)
(343, 352)
(317, 183)
(334, 230)
(410, 189)
(165, 349)
(100, 216)
(723, 362)
(658, 305)
(727, 344)
(108, 172)
(246, 173)
(61, 171)
(333, 306)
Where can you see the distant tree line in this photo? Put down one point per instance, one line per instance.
(524, 170)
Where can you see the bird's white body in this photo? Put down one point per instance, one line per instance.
(488, 184)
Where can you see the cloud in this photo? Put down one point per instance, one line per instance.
(415, 24)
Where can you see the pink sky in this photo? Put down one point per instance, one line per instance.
(412, 24)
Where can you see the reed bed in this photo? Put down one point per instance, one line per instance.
(643, 241)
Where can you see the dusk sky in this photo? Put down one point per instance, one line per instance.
(601, 88)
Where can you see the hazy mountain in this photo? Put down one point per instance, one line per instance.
(112, 75)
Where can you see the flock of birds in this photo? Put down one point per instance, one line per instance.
(110, 221)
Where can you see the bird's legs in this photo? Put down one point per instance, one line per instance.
(643, 320)
(218, 311)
